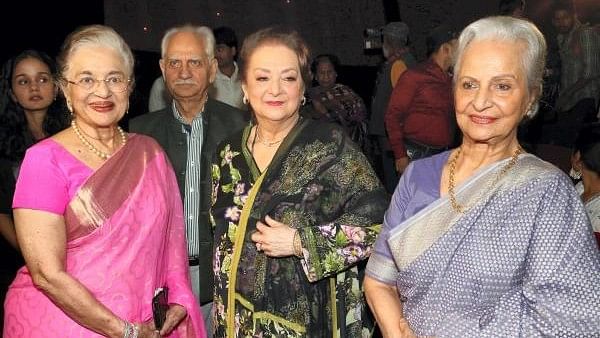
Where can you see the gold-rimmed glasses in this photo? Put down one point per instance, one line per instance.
(115, 83)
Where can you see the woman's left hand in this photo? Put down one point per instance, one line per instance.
(274, 238)
(175, 315)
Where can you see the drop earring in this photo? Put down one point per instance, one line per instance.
(575, 174)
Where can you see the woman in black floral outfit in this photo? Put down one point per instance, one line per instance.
(296, 207)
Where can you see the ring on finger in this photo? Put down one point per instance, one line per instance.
(259, 247)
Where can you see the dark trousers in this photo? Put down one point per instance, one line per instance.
(416, 150)
(388, 165)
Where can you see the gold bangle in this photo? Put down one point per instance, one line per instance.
(297, 244)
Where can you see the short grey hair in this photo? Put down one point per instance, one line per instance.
(203, 32)
(507, 28)
(95, 36)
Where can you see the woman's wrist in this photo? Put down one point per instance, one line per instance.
(130, 330)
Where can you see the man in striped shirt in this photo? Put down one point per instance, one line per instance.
(189, 130)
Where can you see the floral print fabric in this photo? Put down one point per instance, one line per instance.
(319, 183)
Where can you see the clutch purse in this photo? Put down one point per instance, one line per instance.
(160, 305)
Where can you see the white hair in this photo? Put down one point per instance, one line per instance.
(95, 36)
(506, 28)
(202, 32)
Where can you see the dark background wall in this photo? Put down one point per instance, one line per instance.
(43, 24)
(328, 26)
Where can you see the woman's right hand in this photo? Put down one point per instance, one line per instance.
(147, 330)
(405, 330)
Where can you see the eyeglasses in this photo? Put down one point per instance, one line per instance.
(115, 83)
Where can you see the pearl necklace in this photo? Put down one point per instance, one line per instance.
(91, 147)
(452, 168)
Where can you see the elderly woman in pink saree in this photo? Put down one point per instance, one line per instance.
(98, 215)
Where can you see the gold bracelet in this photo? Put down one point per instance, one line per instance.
(297, 244)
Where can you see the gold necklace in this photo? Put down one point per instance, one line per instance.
(452, 168)
(91, 147)
(264, 142)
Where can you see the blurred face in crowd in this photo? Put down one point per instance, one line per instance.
(104, 71)
(225, 55)
(385, 47)
(563, 21)
(187, 70)
(326, 74)
(273, 83)
(491, 94)
(519, 12)
(449, 50)
(33, 85)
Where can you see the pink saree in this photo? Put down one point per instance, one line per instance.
(125, 238)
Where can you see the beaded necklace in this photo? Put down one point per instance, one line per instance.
(91, 147)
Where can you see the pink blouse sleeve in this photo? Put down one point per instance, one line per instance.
(41, 184)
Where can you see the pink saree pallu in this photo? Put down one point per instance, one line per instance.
(125, 238)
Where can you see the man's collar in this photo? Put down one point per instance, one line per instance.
(180, 117)
(235, 71)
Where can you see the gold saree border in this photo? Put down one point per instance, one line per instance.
(425, 228)
(237, 253)
(334, 314)
(108, 187)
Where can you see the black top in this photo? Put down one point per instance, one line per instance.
(11, 258)
(219, 121)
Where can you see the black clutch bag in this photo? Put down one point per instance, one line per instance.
(160, 305)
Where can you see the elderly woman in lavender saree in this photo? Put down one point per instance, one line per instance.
(486, 240)
(98, 215)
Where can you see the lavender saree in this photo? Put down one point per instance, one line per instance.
(519, 262)
(125, 237)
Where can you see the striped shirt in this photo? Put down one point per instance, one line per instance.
(191, 198)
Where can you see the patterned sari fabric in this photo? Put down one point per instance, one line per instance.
(125, 237)
(345, 108)
(520, 262)
(319, 183)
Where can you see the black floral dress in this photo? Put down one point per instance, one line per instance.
(321, 184)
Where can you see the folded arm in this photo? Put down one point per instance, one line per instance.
(331, 247)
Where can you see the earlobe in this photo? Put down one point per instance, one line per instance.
(213, 70)
(161, 64)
